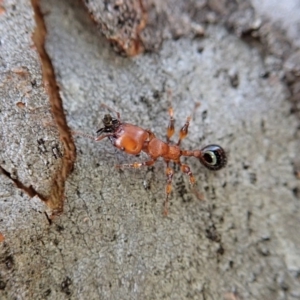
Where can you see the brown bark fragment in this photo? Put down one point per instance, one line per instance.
(56, 199)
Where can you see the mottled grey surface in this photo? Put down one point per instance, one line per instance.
(113, 242)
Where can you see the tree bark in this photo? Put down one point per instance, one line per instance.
(231, 236)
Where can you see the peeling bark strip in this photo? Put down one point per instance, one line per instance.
(30, 191)
(2, 237)
(56, 199)
(2, 9)
(134, 26)
(121, 22)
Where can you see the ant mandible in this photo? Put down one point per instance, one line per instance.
(133, 140)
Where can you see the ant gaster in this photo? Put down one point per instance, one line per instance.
(133, 140)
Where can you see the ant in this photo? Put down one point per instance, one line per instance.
(133, 140)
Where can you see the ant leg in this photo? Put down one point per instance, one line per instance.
(136, 164)
(111, 109)
(169, 173)
(184, 130)
(186, 169)
(171, 128)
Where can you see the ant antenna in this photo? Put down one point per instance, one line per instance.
(82, 134)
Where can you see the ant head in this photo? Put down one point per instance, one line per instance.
(109, 121)
(213, 157)
(110, 124)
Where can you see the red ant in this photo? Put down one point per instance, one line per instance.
(133, 140)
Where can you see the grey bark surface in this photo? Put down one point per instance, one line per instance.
(112, 241)
(30, 151)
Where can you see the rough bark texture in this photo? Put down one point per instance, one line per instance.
(112, 241)
(31, 154)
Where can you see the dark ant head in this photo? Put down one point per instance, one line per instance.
(213, 157)
(110, 124)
